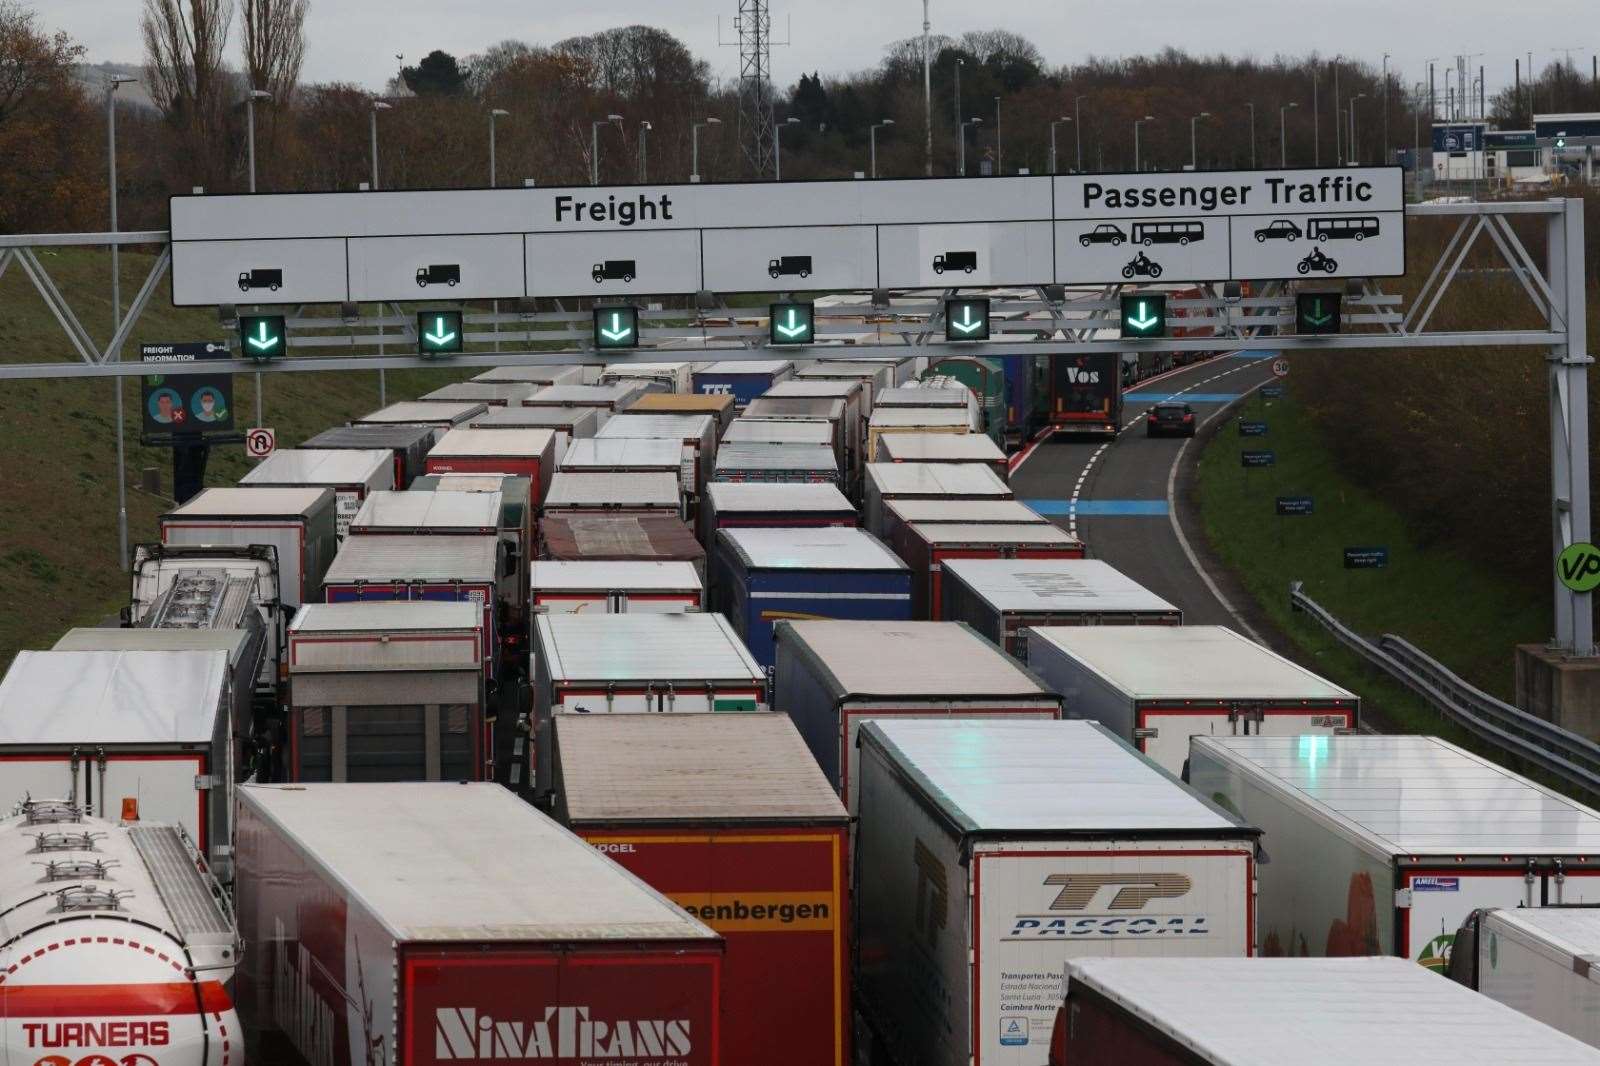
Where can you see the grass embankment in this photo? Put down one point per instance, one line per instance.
(58, 501)
(1465, 615)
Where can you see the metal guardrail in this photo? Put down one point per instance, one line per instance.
(1561, 753)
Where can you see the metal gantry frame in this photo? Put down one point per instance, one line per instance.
(1047, 321)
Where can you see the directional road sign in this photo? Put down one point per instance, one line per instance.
(1144, 315)
(791, 323)
(296, 248)
(616, 327)
(439, 333)
(1317, 312)
(966, 320)
(262, 337)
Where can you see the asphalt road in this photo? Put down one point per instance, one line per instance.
(1116, 496)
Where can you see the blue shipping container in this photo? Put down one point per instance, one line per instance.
(765, 575)
(743, 380)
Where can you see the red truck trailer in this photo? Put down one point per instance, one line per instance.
(528, 453)
(757, 852)
(926, 548)
(416, 923)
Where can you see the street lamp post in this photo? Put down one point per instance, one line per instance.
(1077, 129)
(960, 170)
(1194, 155)
(694, 146)
(116, 313)
(594, 145)
(494, 113)
(644, 157)
(961, 136)
(777, 147)
(1136, 124)
(1054, 123)
(872, 137)
(377, 105)
(1251, 105)
(1353, 99)
(1385, 158)
(999, 149)
(1283, 128)
(250, 128)
(927, 97)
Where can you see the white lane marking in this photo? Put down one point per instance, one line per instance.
(1177, 529)
(1077, 489)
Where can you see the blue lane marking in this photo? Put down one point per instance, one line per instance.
(1264, 353)
(1061, 508)
(1182, 397)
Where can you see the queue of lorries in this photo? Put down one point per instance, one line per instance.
(733, 714)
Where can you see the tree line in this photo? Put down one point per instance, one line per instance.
(434, 119)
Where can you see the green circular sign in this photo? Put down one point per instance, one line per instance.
(1578, 567)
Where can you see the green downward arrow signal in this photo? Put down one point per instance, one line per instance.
(439, 336)
(260, 341)
(1143, 320)
(1318, 317)
(792, 328)
(617, 331)
(967, 325)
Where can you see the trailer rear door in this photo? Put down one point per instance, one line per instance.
(1163, 731)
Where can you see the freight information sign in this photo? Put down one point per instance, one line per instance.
(455, 244)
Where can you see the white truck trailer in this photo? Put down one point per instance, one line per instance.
(1382, 845)
(989, 853)
(1543, 961)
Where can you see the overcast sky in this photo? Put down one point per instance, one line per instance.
(357, 40)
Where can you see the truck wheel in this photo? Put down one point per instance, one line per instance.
(453, 282)
(274, 288)
(969, 269)
(627, 278)
(805, 273)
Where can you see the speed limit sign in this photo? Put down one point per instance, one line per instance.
(1280, 367)
(259, 442)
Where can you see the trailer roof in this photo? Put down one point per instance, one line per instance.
(1187, 663)
(112, 697)
(914, 660)
(923, 396)
(772, 455)
(836, 370)
(400, 435)
(320, 466)
(769, 406)
(410, 509)
(270, 503)
(811, 548)
(964, 509)
(667, 426)
(921, 416)
(538, 374)
(798, 387)
(730, 497)
(681, 403)
(599, 536)
(1053, 585)
(816, 431)
(985, 533)
(680, 768)
(1407, 796)
(387, 616)
(1040, 776)
(1573, 933)
(747, 366)
(601, 489)
(644, 647)
(568, 418)
(1322, 1012)
(602, 575)
(584, 395)
(938, 479)
(632, 368)
(467, 442)
(476, 391)
(940, 447)
(610, 452)
(438, 861)
(437, 414)
(138, 638)
(382, 557)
